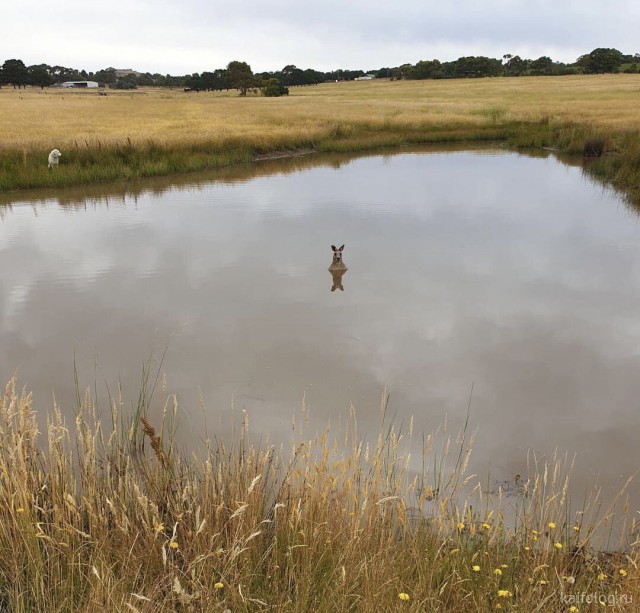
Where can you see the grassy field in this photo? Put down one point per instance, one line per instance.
(113, 517)
(158, 132)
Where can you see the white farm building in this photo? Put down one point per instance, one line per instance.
(80, 84)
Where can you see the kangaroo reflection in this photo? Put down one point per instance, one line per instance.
(337, 269)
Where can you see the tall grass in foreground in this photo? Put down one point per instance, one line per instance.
(97, 518)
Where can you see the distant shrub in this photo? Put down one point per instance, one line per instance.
(272, 88)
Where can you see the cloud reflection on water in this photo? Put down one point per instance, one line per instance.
(510, 273)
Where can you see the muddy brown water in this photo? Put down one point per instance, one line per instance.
(509, 273)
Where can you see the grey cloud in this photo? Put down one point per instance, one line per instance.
(196, 35)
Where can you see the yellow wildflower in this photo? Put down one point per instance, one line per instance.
(573, 609)
(159, 527)
(218, 585)
(543, 582)
(552, 525)
(576, 529)
(535, 532)
(20, 510)
(460, 526)
(475, 568)
(403, 596)
(497, 571)
(486, 526)
(602, 577)
(504, 566)
(173, 545)
(527, 548)
(623, 572)
(558, 545)
(504, 593)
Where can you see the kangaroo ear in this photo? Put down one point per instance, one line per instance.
(334, 247)
(341, 248)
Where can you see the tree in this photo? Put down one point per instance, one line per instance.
(477, 67)
(404, 71)
(313, 77)
(515, 66)
(426, 70)
(208, 81)
(169, 81)
(240, 76)
(542, 66)
(15, 73)
(106, 75)
(195, 82)
(60, 74)
(215, 80)
(601, 60)
(221, 79)
(292, 75)
(40, 75)
(145, 79)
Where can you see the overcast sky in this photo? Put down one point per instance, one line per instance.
(186, 36)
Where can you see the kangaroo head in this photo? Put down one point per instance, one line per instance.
(337, 254)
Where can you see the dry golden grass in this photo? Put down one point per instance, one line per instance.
(49, 118)
(95, 520)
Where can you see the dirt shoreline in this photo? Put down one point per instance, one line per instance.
(281, 154)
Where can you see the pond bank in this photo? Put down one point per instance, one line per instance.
(88, 164)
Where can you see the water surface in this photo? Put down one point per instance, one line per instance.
(511, 274)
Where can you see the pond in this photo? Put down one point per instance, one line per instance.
(503, 282)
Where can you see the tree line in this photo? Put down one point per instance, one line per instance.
(238, 75)
(599, 61)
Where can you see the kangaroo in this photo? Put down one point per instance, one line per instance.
(337, 268)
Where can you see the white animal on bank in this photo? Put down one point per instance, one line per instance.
(54, 157)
